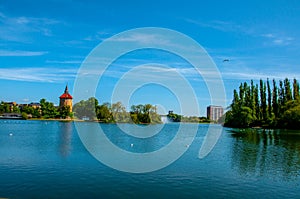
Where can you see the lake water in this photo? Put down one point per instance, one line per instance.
(46, 159)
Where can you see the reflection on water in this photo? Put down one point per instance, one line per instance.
(65, 137)
(46, 159)
(270, 153)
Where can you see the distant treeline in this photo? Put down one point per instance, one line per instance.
(111, 113)
(266, 105)
(44, 110)
(139, 114)
(173, 117)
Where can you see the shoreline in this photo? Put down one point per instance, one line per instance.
(96, 121)
(54, 119)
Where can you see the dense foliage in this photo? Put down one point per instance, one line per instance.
(265, 105)
(45, 110)
(144, 114)
(116, 112)
(6, 108)
(191, 119)
(174, 117)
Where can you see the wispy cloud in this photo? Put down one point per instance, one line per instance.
(145, 39)
(225, 26)
(19, 53)
(153, 71)
(18, 28)
(64, 61)
(278, 40)
(246, 67)
(251, 30)
(37, 74)
(257, 75)
(99, 36)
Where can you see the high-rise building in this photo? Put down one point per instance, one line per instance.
(66, 99)
(214, 112)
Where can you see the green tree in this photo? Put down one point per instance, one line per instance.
(257, 103)
(253, 100)
(65, 112)
(35, 112)
(104, 114)
(291, 116)
(263, 100)
(247, 98)
(236, 103)
(48, 109)
(275, 100)
(288, 91)
(119, 112)
(277, 107)
(15, 109)
(281, 96)
(242, 94)
(86, 108)
(174, 117)
(24, 115)
(295, 90)
(145, 114)
(4, 108)
(269, 100)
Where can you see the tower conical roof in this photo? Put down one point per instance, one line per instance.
(66, 94)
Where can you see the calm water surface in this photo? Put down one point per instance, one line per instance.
(46, 159)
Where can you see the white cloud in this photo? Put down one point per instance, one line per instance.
(277, 40)
(25, 100)
(225, 26)
(256, 75)
(269, 35)
(99, 36)
(19, 28)
(19, 53)
(145, 39)
(64, 61)
(37, 74)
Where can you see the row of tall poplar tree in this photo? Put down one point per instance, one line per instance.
(266, 104)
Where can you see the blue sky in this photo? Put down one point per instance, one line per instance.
(43, 44)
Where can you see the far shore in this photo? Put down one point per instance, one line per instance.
(58, 119)
(97, 121)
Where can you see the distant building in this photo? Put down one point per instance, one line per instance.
(35, 105)
(11, 105)
(214, 112)
(66, 99)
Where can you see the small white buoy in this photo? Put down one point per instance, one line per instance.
(10, 134)
(131, 145)
(187, 145)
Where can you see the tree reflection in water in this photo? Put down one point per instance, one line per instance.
(270, 153)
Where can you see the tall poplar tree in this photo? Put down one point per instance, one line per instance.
(242, 92)
(281, 97)
(262, 105)
(275, 99)
(287, 89)
(263, 100)
(295, 90)
(269, 99)
(252, 98)
(257, 103)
